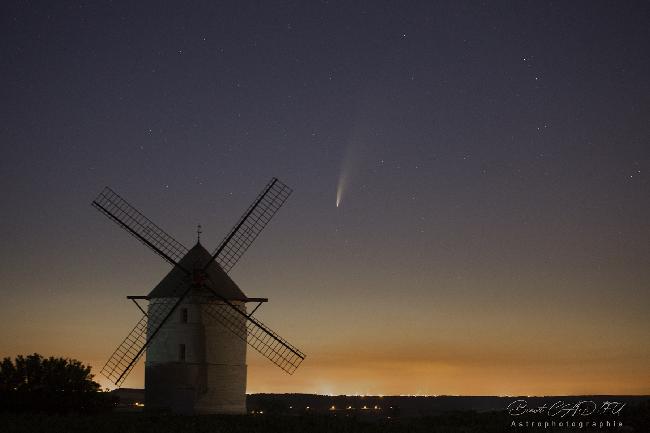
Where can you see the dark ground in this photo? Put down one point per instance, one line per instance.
(635, 418)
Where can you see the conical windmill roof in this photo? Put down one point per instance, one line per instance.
(196, 258)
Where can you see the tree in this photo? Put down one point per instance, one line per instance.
(49, 384)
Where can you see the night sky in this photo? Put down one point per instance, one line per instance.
(471, 208)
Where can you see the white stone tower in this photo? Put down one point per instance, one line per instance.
(195, 364)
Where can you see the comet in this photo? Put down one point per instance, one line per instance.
(340, 188)
(352, 157)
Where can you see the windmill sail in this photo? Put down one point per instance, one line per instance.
(139, 226)
(251, 223)
(129, 352)
(126, 355)
(259, 336)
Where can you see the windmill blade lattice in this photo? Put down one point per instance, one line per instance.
(127, 354)
(139, 226)
(251, 223)
(259, 336)
(120, 363)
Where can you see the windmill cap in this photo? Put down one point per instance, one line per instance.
(196, 258)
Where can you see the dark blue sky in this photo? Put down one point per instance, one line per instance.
(491, 161)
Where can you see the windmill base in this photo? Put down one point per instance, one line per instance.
(188, 388)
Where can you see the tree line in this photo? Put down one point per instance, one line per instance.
(35, 383)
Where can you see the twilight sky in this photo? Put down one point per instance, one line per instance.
(490, 163)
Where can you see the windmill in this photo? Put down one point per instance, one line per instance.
(196, 326)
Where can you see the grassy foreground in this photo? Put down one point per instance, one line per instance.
(145, 423)
(454, 422)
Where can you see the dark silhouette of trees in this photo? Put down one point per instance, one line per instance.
(34, 383)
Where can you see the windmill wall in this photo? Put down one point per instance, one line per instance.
(195, 364)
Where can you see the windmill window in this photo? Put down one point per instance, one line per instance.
(184, 315)
(181, 352)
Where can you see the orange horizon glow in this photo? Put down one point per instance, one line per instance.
(576, 356)
(333, 374)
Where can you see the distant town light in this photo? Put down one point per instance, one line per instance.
(333, 407)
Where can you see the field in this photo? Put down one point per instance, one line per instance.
(141, 422)
(309, 413)
(453, 422)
